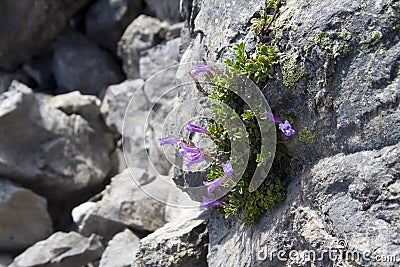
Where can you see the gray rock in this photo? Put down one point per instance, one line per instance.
(174, 31)
(48, 151)
(144, 32)
(140, 123)
(7, 77)
(343, 192)
(106, 20)
(118, 161)
(180, 206)
(23, 27)
(39, 68)
(156, 59)
(165, 9)
(219, 25)
(360, 194)
(120, 251)
(79, 212)
(5, 259)
(87, 106)
(125, 204)
(180, 243)
(78, 64)
(21, 210)
(61, 249)
(116, 100)
(345, 203)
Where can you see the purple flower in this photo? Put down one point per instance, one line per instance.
(212, 185)
(194, 128)
(286, 128)
(272, 117)
(194, 158)
(227, 167)
(189, 149)
(208, 202)
(199, 69)
(169, 140)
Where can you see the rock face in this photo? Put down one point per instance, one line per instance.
(24, 217)
(61, 249)
(116, 100)
(120, 251)
(80, 65)
(156, 59)
(24, 33)
(182, 243)
(346, 203)
(106, 20)
(342, 82)
(125, 204)
(144, 32)
(48, 150)
(87, 106)
(165, 9)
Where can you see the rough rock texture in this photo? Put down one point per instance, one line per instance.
(346, 203)
(115, 103)
(106, 20)
(5, 259)
(165, 9)
(144, 32)
(339, 74)
(125, 204)
(120, 251)
(156, 59)
(87, 106)
(61, 250)
(181, 243)
(24, 217)
(180, 205)
(78, 64)
(7, 77)
(26, 30)
(47, 150)
(39, 68)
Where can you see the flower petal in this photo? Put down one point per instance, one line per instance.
(227, 167)
(272, 117)
(287, 128)
(208, 202)
(199, 69)
(195, 128)
(212, 185)
(189, 149)
(169, 140)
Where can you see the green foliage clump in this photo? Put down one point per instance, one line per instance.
(257, 67)
(334, 42)
(291, 71)
(306, 136)
(241, 203)
(258, 25)
(312, 87)
(254, 204)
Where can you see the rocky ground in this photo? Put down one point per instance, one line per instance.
(68, 70)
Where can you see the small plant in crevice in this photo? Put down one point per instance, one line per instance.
(240, 202)
(259, 66)
(266, 17)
